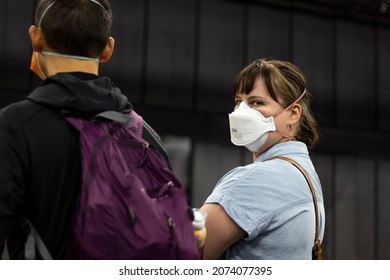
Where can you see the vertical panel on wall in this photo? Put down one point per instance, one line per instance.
(125, 66)
(179, 152)
(170, 58)
(355, 75)
(211, 162)
(313, 55)
(354, 206)
(384, 210)
(268, 33)
(220, 54)
(324, 166)
(15, 44)
(3, 34)
(383, 79)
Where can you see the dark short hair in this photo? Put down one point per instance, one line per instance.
(75, 27)
(285, 83)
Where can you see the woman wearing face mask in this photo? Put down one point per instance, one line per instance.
(266, 209)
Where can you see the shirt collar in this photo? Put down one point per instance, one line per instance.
(284, 149)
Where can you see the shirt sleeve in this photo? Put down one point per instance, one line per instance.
(234, 193)
(251, 196)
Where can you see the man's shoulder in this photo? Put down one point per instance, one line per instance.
(16, 114)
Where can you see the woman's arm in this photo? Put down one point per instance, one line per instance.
(222, 231)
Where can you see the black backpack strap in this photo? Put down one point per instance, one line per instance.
(151, 136)
(114, 116)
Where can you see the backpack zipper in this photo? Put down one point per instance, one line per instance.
(171, 224)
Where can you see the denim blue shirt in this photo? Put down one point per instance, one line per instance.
(271, 201)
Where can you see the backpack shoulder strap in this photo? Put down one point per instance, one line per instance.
(152, 137)
(117, 117)
(317, 241)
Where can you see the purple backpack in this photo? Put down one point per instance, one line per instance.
(131, 205)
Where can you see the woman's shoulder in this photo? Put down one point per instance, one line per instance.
(254, 178)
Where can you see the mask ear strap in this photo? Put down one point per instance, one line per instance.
(44, 13)
(284, 135)
(295, 102)
(292, 104)
(51, 4)
(39, 66)
(96, 2)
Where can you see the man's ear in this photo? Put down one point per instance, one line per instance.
(295, 113)
(108, 51)
(36, 37)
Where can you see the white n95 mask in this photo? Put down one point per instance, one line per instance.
(249, 128)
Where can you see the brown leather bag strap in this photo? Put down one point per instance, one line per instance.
(317, 241)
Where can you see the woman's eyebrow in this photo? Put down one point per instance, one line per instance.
(257, 97)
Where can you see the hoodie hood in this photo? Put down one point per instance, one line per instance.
(80, 92)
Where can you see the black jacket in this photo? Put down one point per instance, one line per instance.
(40, 167)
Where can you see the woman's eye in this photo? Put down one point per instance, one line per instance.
(256, 103)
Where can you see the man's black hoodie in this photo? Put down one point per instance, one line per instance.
(40, 167)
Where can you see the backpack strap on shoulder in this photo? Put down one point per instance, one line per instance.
(117, 117)
(123, 119)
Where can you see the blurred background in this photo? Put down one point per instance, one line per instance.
(176, 60)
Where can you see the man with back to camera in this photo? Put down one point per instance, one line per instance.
(40, 167)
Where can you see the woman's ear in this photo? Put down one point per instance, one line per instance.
(36, 37)
(108, 51)
(295, 114)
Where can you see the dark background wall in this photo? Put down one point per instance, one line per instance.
(176, 60)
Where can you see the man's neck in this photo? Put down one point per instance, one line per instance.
(55, 65)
